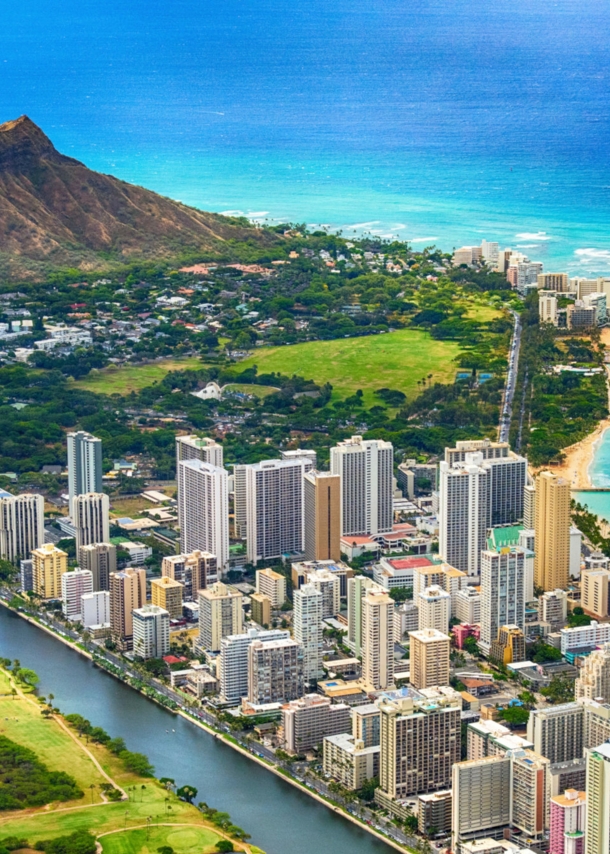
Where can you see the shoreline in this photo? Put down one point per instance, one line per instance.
(229, 742)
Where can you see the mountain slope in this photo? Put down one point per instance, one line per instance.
(54, 211)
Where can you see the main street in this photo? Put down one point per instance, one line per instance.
(511, 379)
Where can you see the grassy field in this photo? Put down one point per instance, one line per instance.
(252, 388)
(395, 360)
(21, 720)
(113, 380)
(129, 506)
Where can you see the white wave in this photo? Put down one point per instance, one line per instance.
(421, 239)
(232, 213)
(256, 214)
(356, 225)
(586, 255)
(538, 235)
(528, 245)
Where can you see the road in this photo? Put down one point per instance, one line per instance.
(511, 379)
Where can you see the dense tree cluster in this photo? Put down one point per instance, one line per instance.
(26, 782)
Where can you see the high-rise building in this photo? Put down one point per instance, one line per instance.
(240, 501)
(150, 632)
(552, 526)
(307, 721)
(322, 503)
(274, 506)
(96, 609)
(468, 606)
(594, 587)
(596, 722)
(302, 570)
(329, 585)
(260, 609)
(420, 742)
(593, 682)
(529, 506)
(530, 792)
(167, 594)
(357, 587)
(127, 591)
(434, 609)
(502, 592)
(557, 732)
(568, 822)
(464, 513)
(275, 671)
(75, 585)
(48, 565)
(90, 517)
(365, 724)
(481, 798)
(429, 658)
(309, 457)
(553, 609)
(233, 661)
(100, 560)
(366, 470)
(271, 584)
(377, 640)
(26, 581)
(203, 510)
(597, 834)
(509, 646)
(308, 614)
(195, 571)
(84, 464)
(21, 525)
(221, 613)
(198, 448)
(507, 477)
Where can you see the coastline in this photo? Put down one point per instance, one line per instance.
(226, 740)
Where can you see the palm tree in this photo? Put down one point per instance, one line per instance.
(92, 787)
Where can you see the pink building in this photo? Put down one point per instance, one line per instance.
(463, 631)
(568, 821)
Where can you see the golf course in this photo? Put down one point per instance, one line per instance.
(125, 812)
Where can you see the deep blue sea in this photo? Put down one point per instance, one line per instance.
(439, 121)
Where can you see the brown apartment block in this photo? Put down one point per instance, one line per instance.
(167, 593)
(552, 526)
(127, 591)
(322, 505)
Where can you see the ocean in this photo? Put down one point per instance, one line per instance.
(436, 121)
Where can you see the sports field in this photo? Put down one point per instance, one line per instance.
(396, 360)
(127, 378)
(139, 821)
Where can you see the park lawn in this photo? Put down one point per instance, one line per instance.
(128, 378)
(121, 507)
(483, 313)
(395, 360)
(184, 840)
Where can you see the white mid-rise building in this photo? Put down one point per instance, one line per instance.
(75, 585)
(197, 448)
(203, 509)
(150, 632)
(233, 661)
(434, 606)
(95, 609)
(366, 469)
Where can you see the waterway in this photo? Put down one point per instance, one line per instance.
(278, 816)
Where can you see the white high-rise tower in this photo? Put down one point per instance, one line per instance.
(366, 469)
(203, 509)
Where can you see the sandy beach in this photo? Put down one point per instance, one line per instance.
(578, 457)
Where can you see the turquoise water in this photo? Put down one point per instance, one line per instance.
(437, 121)
(599, 472)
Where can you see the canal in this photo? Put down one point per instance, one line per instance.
(280, 819)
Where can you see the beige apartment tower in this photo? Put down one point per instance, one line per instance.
(90, 518)
(322, 508)
(260, 609)
(48, 565)
(594, 585)
(481, 798)
(221, 614)
(100, 560)
(597, 834)
(195, 571)
(593, 683)
(553, 282)
(21, 525)
(552, 526)
(273, 585)
(167, 594)
(377, 640)
(420, 742)
(127, 591)
(430, 650)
